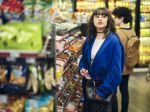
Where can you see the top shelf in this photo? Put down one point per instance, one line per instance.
(22, 54)
(145, 3)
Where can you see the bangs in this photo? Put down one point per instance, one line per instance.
(101, 11)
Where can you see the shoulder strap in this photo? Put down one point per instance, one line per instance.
(125, 36)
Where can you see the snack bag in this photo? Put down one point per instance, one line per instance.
(18, 74)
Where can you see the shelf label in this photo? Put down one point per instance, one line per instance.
(11, 59)
(3, 98)
(30, 60)
(14, 54)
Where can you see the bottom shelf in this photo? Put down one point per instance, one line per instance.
(38, 103)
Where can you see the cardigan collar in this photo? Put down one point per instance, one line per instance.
(98, 52)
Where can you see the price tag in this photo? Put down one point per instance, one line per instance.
(14, 54)
(30, 60)
(11, 59)
(4, 98)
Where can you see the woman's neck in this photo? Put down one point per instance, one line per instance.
(100, 35)
(99, 30)
(124, 25)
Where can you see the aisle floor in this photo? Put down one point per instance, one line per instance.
(139, 93)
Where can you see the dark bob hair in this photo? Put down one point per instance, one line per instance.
(123, 12)
(91, 32)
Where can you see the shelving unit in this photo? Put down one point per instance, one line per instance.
(144, 32)
(28, 77)
(66, 68)
(83, 11)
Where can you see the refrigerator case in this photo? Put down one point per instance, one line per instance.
(144, 32)
(143, 24)
(83, 11)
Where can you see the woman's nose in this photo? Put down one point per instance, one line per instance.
(100, 17)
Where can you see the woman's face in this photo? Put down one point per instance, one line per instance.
(100, 21)
(117, 20)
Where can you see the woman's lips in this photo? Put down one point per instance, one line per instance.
(99, 23)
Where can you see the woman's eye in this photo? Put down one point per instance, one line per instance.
(97, 16)
(103, 16)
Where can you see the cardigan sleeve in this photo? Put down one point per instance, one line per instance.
(83, 62)
(113, 76)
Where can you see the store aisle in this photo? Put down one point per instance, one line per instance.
(139, 93)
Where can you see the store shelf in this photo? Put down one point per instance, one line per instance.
(21, 54)
(140, 70)
(145, 27)
(66, 46)
(17, 54)
(144, 33)
(145, 3)
(24, 74)
(45, 51)
(60, 38)
(74, 30)
(145, 12)
(71, 93)
(68, 78)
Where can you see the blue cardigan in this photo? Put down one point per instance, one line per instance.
(107, 65)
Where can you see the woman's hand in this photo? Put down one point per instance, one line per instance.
(97, 97)
(84, 72)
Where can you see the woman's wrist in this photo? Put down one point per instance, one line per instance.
(97, 97)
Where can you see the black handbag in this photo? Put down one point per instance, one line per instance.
(91, 87)
(92, 104)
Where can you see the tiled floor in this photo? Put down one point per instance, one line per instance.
(139, 93)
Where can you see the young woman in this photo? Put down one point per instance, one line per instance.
(123, 19)
(102, 61)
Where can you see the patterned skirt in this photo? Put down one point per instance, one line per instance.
(97, 106)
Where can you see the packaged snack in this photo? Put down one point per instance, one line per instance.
(14, 78)
(14, 36)
(18, 74)
(40, 104)
(12, 10)
(33, 81)
(49, 79)
(40, 78)
(63, 56)
(60, 63)
(75, 47)
(3, 73)
(71, 107)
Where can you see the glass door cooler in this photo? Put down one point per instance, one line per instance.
(145, 32)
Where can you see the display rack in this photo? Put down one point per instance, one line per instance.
(66, 70)
(28, 78)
